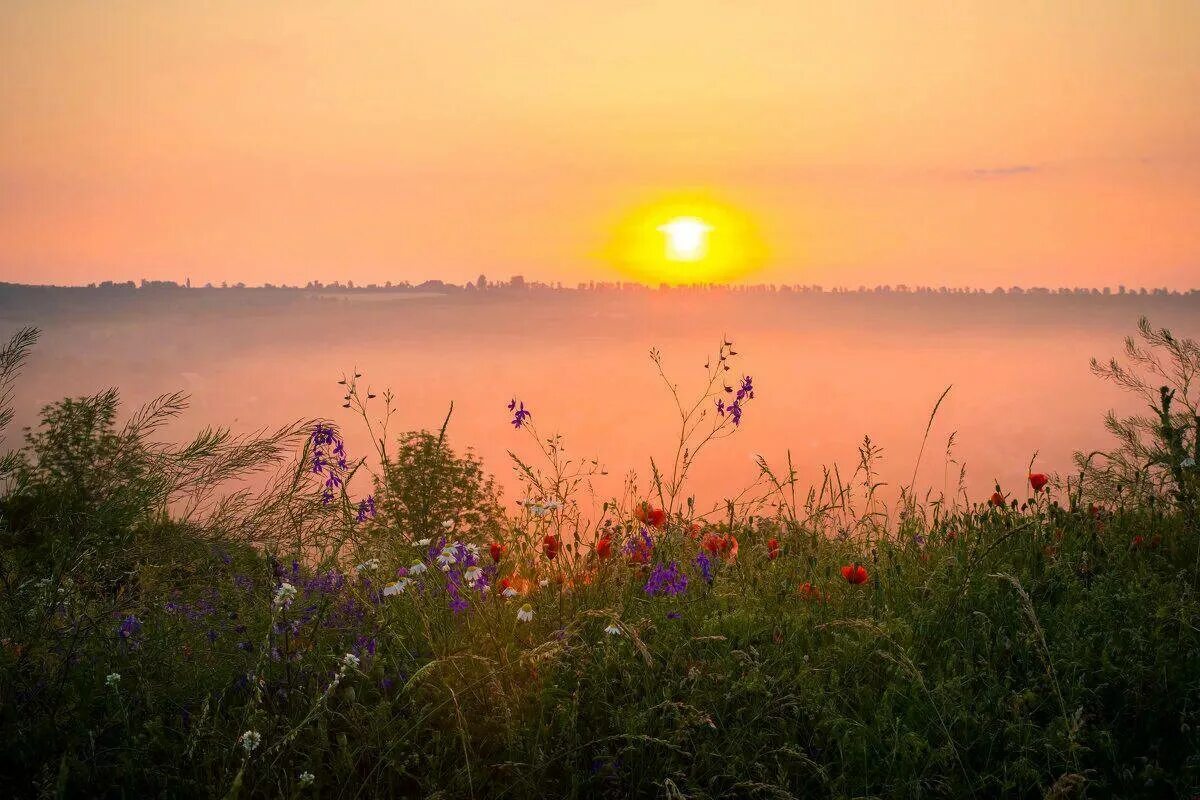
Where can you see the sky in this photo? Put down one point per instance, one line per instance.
(965, 143)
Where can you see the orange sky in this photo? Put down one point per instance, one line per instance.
(871, 142)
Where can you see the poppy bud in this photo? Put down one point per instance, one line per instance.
(497, 550)
(772, 548)
(550, 545)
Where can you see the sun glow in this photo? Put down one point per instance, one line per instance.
(685, 240)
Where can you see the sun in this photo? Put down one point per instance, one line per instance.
(685, 239)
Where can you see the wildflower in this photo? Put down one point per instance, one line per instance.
(1137, 542)
(1188, 463)
(721, 406)
(396, 587)
(284, 596)
(448, 556)
(113, 679)
(746, 391)
(552, 505)
(810, 592)
(711, 542)
(422, 542)
(773, 548)
(613, 629)
(1038, 480)
(306, 778)
(417, 568)
(649, 515)
(705, 565)
(350, 661)
(447, 524)
(996, 500)
(250, 740)
(520, 414)
(666, 580)
(604, 547)
(370, 564)
(366, 508)
(129, 629)
(735, 412)
(551, 545)
(639, 548)
(730, 548)
(525, 613)
(673, 615)
(855, 573)
(472, 575)
(496, 550)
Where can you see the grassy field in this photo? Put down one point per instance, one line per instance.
(166, 631)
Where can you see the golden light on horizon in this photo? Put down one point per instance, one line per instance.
(686, 239)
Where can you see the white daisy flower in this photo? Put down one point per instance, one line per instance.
(509, 592)
(417, 568)
(306, 778)
(447, 524)
(350, 660)
(448, 556)
(472, 575)
(525, 613)
(369, 564)
(284, 595)
(422, 542)
(396, 587)
(613, 629)
(250, 740)
(113, 679)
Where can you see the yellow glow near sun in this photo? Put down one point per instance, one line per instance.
(684, 240)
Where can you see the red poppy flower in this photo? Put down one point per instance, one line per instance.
(730, 548)
(712, 543)
(604, 547)
(996, 500)
(694, 529)
(1038, 480)
(497, 550)
(649, 515)
(772, 548)
(550, 545)
(855, 573)
(1138, 541)
(810, 592)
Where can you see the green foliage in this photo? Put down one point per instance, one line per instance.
(425, 483)
(166, 633)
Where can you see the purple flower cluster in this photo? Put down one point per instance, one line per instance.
(328, 459)
(706, 566)
(520, 414)
(366, 508)
(666, 579)
(639, 547)
(130, 631)
(735, 409)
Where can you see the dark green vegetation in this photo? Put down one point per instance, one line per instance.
(188, 621)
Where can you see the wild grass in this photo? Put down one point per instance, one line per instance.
(251, 616)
